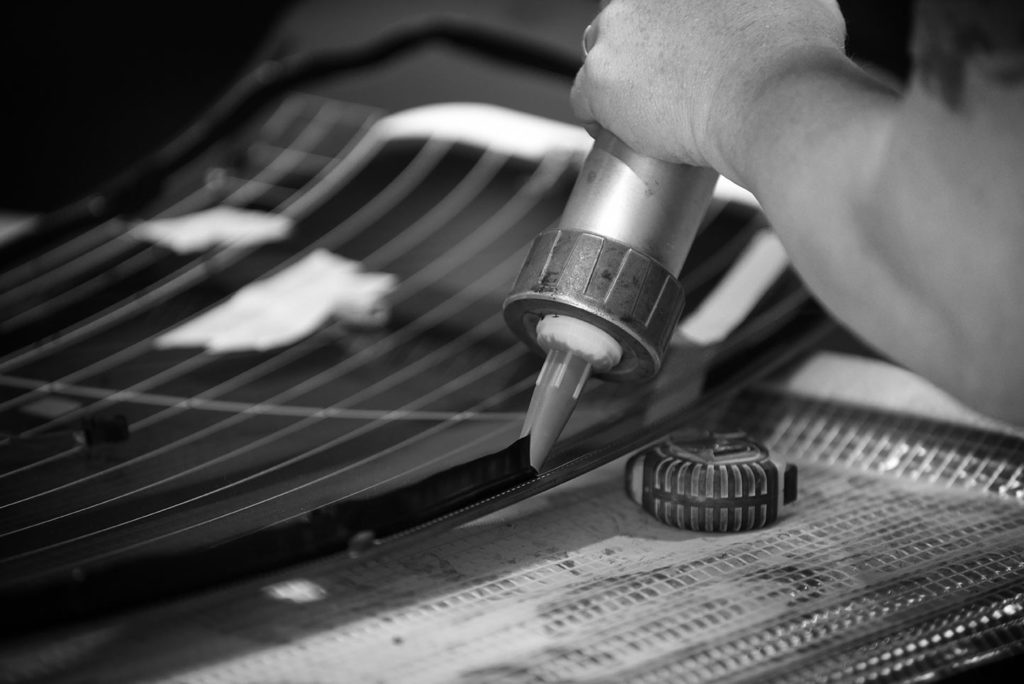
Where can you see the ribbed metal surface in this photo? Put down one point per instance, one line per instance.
(604, 282)
(705, 497)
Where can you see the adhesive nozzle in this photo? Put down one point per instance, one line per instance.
(558, 388)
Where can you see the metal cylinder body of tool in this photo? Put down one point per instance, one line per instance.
(615, 258)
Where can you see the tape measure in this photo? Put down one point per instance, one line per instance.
(710, 482)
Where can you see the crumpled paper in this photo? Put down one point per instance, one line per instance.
(220, 226)
(289, 305)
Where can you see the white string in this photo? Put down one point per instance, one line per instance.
(145, 344)
(426, 274)
(266, 367)
(521, 386)
(404, 181)
(78, 254)
(374, 208)
(442, 313)
(438, 216)
(312, 134)
(268, 407)
(787, 304)
(262, 408)
(110, 234)
(501, 221)
(496, 362)
(351, 159)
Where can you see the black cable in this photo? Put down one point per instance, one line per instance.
(143, 180)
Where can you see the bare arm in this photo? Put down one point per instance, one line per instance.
(904, 213)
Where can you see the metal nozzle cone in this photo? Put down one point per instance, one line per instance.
(558, 389)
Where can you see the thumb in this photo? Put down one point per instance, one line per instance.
(580, 99)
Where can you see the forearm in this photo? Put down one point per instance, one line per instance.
(903, 212)
(904, 217)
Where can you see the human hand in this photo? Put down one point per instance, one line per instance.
(676, 79)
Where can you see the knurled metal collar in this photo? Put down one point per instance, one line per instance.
(606, 283)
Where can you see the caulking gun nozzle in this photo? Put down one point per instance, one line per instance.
(558, 388)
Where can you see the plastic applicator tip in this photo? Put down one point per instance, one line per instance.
(558, 388)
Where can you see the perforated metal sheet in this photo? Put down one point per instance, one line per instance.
(869, 577)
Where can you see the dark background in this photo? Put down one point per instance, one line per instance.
(87, 88)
